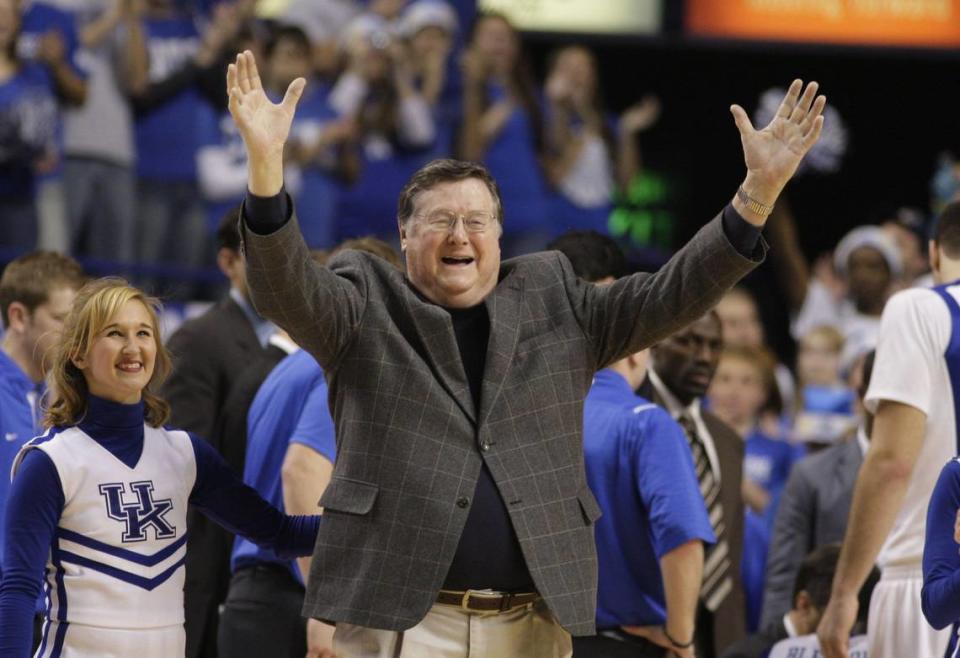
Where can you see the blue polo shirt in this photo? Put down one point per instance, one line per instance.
(640, 470)
(19, 420)
(290, 407)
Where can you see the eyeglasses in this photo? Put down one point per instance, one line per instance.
(444, 221)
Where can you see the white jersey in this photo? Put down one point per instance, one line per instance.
(919, 340)
(807, 646)
(117, 556)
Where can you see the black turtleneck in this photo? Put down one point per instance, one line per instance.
(488, 555)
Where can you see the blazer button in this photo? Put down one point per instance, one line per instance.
(485, 446)
(462, 502)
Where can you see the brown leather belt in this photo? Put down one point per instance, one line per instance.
(476, 601)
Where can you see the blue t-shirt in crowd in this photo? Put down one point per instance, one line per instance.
(768, 461)
(753, 564)
(168, 136)
(29, 125)
(290, 407)
(39, 19)
(369, 205)
(640, 469)
(514, 163)
(940, 596)
(19, 421)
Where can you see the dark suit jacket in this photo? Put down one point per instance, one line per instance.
(729, 621)
(410, 441)
(231, 432)
(813, 511)
(209, 353)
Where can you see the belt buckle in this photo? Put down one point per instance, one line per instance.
(465, 601)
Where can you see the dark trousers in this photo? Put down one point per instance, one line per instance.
(261, 616)
(621, 646)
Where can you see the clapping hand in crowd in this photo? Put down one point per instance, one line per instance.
(640, 116)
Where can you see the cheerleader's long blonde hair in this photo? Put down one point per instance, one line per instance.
(93, 309)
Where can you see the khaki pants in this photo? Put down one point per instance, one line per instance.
(450, 632)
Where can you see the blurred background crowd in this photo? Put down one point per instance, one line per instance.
(116, 148)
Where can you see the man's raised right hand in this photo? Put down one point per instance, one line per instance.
(263, 124)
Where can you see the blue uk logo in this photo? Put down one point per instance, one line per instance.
(139, 515)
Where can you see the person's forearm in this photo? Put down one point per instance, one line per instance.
(70, 86)
(879, 492)
(304, 475)
(628, 159)
(787, 258)
(96, 31)
(682, 570)
(472, 145)
(136, 61)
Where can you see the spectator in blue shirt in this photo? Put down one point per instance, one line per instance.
(28, 127)
(650, 538)
(36, 293)
(50, 39)
(503, 128)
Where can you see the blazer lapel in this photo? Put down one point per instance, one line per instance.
(504, 307)
(438, 346)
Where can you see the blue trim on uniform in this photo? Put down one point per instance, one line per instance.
(46, 622)
(148, 584)
(952, 354)
(56, 556)
(115, 551)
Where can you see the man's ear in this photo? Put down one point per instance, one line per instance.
(226, 259)
(17, 317)
(934, 254)
(403, 234)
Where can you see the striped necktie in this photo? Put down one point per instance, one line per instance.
(717, 578)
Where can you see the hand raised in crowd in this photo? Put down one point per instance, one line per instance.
(226, 24)
(475, 66)
(263, 124)
(640, 116)
(773, 153)
(51, 49)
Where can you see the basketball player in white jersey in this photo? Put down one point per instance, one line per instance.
(914, 396)
(98, 504)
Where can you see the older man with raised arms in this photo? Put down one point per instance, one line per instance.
(458, 521)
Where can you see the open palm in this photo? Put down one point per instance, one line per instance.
(773, 154)
(263, 124)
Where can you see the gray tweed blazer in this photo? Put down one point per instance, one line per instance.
(410, 441)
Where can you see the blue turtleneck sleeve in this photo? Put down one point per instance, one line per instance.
(33, 511)
(222, 496)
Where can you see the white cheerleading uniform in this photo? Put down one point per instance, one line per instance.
(116, 563)
(100, 509)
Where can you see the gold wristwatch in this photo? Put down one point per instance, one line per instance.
(755, 206)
